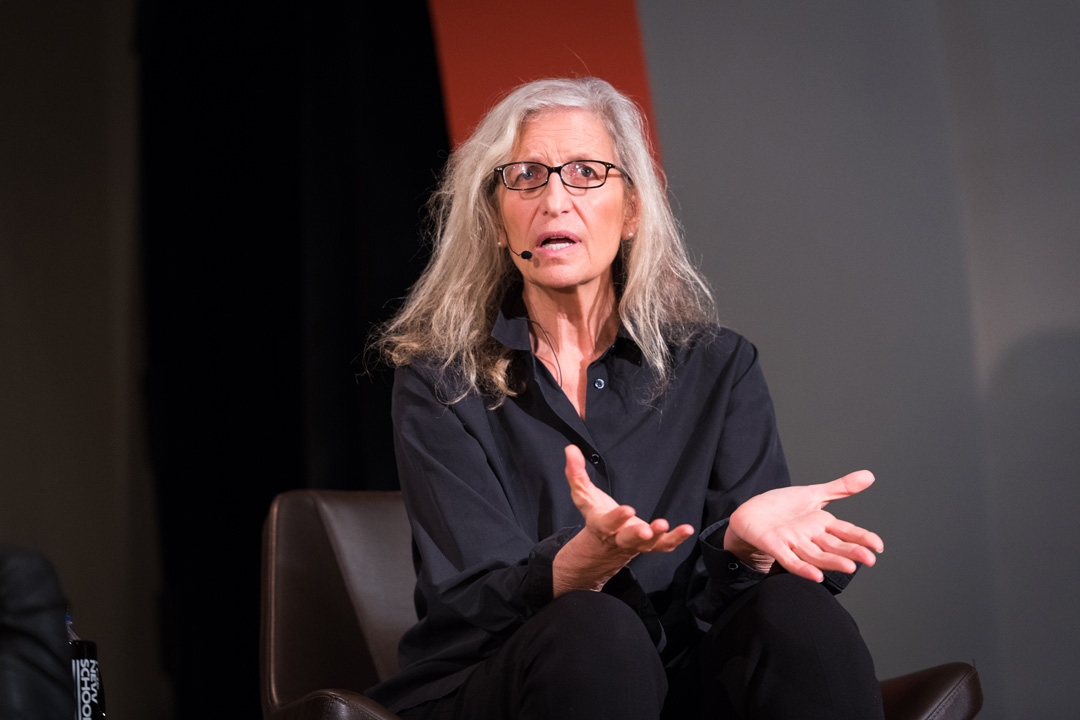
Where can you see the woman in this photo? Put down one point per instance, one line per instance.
(600, 507)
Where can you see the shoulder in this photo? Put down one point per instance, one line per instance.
(716, 348)
(714, 362)
(433, 383)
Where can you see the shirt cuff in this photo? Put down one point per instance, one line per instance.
(726, 568)
(541, 583)
(725, 575)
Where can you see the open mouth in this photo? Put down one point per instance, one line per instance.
(556, 242)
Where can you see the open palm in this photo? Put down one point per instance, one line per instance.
(791, 526)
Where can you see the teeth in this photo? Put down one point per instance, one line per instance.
(558, 244)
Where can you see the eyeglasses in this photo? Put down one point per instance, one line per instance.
(581, 174)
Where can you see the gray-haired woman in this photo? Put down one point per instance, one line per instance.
(602, 518)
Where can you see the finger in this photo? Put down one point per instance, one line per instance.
(657, 530)
(781, 550)
(857, 535)
(797, 566)
(575, 464)
(673, 538)
(810, 551)
(638, 540)
(840, 488)
(585, 495)
(611, 522)
(636, 537)
(813, 554)
(857, 553)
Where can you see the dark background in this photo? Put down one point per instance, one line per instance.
(282, 187)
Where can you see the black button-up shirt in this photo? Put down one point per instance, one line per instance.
(490, 506)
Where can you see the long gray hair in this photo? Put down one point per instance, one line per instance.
(449, 313)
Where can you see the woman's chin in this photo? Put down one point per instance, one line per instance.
(564, 279)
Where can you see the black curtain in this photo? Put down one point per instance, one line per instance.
(287, 151)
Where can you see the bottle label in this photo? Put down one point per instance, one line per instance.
(89, 697)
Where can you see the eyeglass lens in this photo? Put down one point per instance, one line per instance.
(577, 174)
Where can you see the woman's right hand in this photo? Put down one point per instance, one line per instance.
(612, 536)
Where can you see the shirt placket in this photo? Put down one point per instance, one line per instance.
(577, 430)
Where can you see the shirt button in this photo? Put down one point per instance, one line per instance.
(599, 384)
(733, 566)
(595, 459)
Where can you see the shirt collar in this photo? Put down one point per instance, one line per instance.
(512, 323)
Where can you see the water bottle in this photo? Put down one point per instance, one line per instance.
(89, 692)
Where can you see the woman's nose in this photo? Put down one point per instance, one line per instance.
(555, 197)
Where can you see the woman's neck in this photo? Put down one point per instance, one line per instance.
(578, 322)
(569, 330)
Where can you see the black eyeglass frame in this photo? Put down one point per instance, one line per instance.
(557, 169)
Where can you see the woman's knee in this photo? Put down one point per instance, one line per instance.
(792, 604)
(589, 612)
(593, 658)
(783, 616)
(597, 624)
(581, 634)
(788, 646)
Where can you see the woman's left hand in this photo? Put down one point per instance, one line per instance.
(789, 525)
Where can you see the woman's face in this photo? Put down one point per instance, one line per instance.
(573, 234)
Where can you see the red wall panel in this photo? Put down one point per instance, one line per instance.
(487, 47)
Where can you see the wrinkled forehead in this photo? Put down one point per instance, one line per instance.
(541, 117)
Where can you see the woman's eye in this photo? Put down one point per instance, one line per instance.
(525, 175)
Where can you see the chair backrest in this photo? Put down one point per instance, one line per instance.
(336, 591)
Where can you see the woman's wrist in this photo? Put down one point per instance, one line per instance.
(585, 563)
(750, 555)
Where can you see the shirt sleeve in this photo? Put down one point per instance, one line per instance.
(479, 576)
(749, 461)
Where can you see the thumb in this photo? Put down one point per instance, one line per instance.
(576, 474)
(575, 461)
(581, 486)
(846, 486)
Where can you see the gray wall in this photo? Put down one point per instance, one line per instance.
(884, 196)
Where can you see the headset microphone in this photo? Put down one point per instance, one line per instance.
(523, 255)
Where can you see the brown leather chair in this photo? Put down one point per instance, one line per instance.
(337, 596)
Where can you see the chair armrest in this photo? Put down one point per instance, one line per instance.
(945, 692)
(333, 705)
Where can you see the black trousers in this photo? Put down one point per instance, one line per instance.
(784, 649)
(35, 659)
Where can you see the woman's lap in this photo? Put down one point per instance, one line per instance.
(785, 648)
(584, 655)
